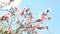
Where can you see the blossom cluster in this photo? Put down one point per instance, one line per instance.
(23, 19)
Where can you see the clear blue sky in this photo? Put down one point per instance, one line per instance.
(37, 6)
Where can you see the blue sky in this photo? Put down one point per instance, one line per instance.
(37, 6)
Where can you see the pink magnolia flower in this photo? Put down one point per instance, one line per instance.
(40, 27)
(6, 16)
(30, 14)
(40, 17)
(21, 12)
(36, 24)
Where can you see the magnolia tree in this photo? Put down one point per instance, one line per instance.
(16, 20)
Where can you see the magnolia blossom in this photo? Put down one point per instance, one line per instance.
(39, 26)
(30, 16)
(21, 12)
(5, 3)
(40, 17)
(6, 16)
(25, 24)
(36, 24)
(42, 27)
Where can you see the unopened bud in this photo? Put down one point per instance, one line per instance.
(48, 9)
(49, 17)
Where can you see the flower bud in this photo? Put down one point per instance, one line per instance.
(49, 17)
